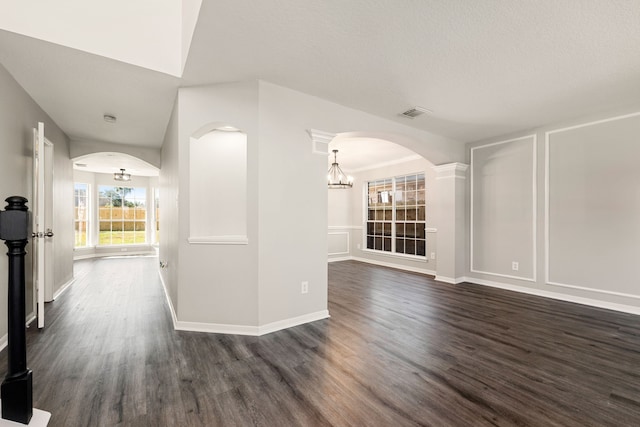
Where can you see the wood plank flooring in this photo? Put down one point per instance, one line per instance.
(399, 350)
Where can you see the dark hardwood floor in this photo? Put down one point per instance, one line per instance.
(399, 350)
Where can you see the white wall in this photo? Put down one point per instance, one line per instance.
(217, 284)
(169, 181)
(256, 288)
(566, 207)
(19, 114)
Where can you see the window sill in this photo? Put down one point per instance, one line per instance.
(396, 255)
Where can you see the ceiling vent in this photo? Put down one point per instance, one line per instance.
(415, 112)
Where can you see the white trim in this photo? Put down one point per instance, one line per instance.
(507, 276)
(599, 291)
(293, 321)
(547, 186)
(344, 258)
(396, 266)
(558, 296)
(219, 240)
(217, 328)
(320, 141)
(418, 258)
(345, 227)
(389, 163)
(348, 242)
(63, 288)
(546, 206)
(450, 280)
(534, 217)
(174, 316)
(451, 170)
(597, 122)
(431, 230)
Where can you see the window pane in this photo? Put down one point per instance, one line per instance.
(379, 226)
(421, 213)
(410, 246)
(370, 242)
(398, 206)
(411, 230)
(378, 242)
(370, 228)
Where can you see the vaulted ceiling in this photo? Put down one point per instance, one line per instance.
(483, 68)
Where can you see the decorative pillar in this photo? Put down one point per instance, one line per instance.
(17, 391)
(451, 208)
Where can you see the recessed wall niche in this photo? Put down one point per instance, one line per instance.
(218, 186)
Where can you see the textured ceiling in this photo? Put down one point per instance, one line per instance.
(484, 68)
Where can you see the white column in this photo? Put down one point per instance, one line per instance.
(451, 205)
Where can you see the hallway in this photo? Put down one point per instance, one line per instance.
(400, 349)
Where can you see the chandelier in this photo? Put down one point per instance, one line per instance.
(121, 176)
(335, 176)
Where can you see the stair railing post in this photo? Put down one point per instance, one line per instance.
(17, 387)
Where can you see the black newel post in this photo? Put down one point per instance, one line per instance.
(17, 393)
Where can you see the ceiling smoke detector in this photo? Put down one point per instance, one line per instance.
(415, 112)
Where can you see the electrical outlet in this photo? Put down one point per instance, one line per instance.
(304, 288)
(433, 255)
(515, 266)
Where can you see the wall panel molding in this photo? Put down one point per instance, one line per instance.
(549, 181)
(534, 213)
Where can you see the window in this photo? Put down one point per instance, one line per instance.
(81, 214)
(122, 215)
(396, 215)
(156, 205)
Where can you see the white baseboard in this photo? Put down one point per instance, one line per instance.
(558, 296)
(451, 280)
(396, 266)
(218, 328)
(293, 321)
(174, 317)
(63, 288)
(342, 258)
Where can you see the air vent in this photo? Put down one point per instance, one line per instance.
(415, 112)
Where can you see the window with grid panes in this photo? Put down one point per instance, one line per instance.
(396, 215)
(81, 213)
(122, 213)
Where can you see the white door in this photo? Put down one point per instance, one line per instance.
(42, 221)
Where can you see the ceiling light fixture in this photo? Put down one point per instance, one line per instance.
(335, 176)
(121, 176)
(109, 118)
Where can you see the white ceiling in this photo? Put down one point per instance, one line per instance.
(484, 68)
